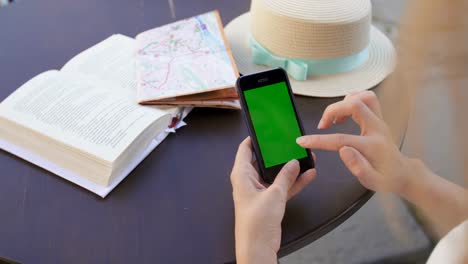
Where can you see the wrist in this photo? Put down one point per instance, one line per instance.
(414, 168)
(253, 249)
(247, 253)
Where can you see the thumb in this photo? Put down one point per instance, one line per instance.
(358, 165)
(287, 176)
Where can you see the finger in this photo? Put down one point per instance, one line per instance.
(302, 182)
(359, 166)
(350, 94)
(314, 157)
(255, 164)
(243, 157)
(244, 152)
(355, 108)
(331, 142)
(340, 120)
(370, 99)
(331, 115)
(286, 177)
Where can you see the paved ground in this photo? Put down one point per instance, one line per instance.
(384, 230)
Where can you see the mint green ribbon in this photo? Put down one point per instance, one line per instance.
(300, 69)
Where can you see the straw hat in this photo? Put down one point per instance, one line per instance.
(328, 47)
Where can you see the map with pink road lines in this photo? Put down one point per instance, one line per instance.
(183, 58)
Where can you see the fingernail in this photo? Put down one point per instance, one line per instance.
(347, 154)
(320, 124)
(291, 164)
(300, 140)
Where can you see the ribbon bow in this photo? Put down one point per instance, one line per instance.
(297, 69)
(300, 69)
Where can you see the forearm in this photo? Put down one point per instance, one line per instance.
(251, 250)
(443, 202)
(255, 255)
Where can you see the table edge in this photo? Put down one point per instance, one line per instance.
(326, 227)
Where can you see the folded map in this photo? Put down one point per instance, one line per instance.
(188, 62)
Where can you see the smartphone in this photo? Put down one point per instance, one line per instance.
(273, 121)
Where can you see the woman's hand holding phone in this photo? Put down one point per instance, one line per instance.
(372, 157)
(259, 210)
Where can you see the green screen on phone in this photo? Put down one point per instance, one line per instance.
(275, 124)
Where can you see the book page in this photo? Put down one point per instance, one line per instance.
(80, 112)
(112, 59)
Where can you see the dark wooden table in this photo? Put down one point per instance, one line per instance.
(176, 207)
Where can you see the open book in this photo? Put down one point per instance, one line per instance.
(83, 122)
(187, 62)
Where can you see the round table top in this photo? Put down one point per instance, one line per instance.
(176, 206)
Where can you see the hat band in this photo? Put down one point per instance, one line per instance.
(299, 69)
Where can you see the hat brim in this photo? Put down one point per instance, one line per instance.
(381, 62)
